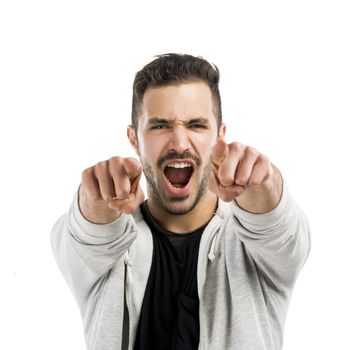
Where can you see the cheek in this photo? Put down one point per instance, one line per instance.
(203, 145)
(151, 149)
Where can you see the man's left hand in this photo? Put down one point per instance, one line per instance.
(237, 169)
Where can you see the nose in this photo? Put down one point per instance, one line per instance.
(179, 140)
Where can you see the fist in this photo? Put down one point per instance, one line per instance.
(110, 188)
(236, 168)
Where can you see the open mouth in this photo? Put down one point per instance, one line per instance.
(178, 174)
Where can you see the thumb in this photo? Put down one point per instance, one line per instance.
(218, 152)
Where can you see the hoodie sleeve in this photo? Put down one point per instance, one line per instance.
(279, 241)
(85, 252)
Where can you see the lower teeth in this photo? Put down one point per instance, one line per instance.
(177, 185)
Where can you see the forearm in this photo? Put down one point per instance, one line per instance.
(263, 198)
(85, 251)
(279, 240)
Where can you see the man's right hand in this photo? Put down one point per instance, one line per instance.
(110, 188)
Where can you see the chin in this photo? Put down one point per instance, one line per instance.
(179, 205)
(177, 210)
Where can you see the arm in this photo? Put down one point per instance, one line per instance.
(271, 225)
(97, 231)
(85, 252)
(278, 240)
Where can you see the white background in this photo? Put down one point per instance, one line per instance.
(66, 71)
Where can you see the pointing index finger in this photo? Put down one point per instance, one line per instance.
(218, 152)
(133, 170)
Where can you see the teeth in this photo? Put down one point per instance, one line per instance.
(179, 165)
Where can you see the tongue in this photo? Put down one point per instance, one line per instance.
(178, 176)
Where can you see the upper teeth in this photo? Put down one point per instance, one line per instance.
(179, 165)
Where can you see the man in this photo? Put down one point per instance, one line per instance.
(210, 259)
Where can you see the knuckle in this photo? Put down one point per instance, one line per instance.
(117, 160)
(251, 151)
(235, 146)
(100, 166)
(86, 174)
(226, 180)
(133, 163)
(241, 180)
(122, 193)
(254, 182)
(264, 158)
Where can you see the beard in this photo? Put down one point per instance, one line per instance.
(166, 205)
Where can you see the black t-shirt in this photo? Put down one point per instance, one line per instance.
(170, 311)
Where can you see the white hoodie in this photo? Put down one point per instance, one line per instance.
(247, 267)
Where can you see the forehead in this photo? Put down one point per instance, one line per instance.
(181, 101)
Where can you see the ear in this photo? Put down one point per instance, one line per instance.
(222, 130)
(131, 132)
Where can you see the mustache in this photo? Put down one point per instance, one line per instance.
(176, 155)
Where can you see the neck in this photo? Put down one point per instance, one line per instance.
(197, 217)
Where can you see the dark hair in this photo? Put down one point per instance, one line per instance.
(173, 68)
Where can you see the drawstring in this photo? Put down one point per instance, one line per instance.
(129, 275)
(127, 259)
(211, 255)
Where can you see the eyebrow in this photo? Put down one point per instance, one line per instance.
(157, 120)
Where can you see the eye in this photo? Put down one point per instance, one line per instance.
(158, 127)
(197, 126)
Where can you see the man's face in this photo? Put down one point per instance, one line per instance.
(175, 133)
